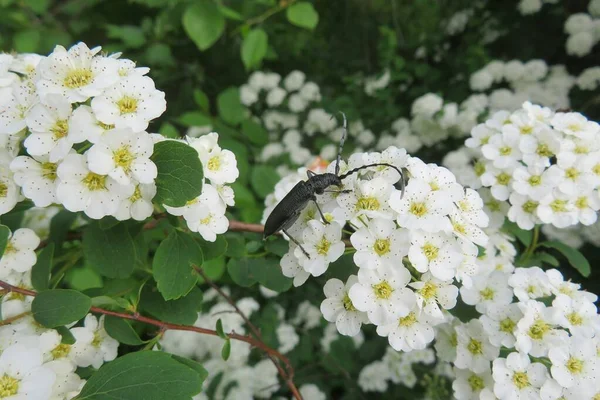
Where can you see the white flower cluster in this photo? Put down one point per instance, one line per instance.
(81, 117)
(436, 226)
(458, 21)
(589, 79)
(584, 32)
(549, 351)
(34, 363)
(528, 7)
(545, 163)
(258, 381)
(206, 213)
(375, 83)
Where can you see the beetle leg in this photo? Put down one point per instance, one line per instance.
(338, 191)
(296, 242)
(314, 198)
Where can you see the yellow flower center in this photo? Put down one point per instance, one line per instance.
(476, 383)
(534, 180)
(94, 182)
(214, 163)
(61, 351)
(558, 205)
(574, 365)
(434, 186)
(368, 203)
(49, 171)
(409, 320)
(454, 339)
(503, 179)
(572, 173)
(520, 380)
(123, 157)
(526, 130)
(530, 206)
(382, 246)
(475, 347)
(127, 105)
(382, 290)
(418, 209)
(459, 228)
(505, 151)
(137, 194)
(581, 150)
(487, 293)
(77, 78)
(538, 329)
(10, 248)
(596, 169)
(479, 168)
(575, 319)
(543, 150)
(485, 140)
(9, 386)
(428, 291)
(581, 202)
(348, 306)
(60, 129)
(507, 325)
(3, 189)
(430, 251)
(104, 126)
(323, 246)
(206, 221)
(493, 205)
(97, 340)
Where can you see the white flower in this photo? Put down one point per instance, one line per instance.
(474, 351)
(93, 346)
(534, 181)
(500, 323)
(207, 222)
(578, 314)
(536, 332)
(434, 252)
(287, 337)
(294, 80)
(323, 244)
(432, 293)
(487, 290)
(139, 205)
(19, 254)
(575, 363)
(529, 283)
(421, 208)
(311, 391)
(220, 166)
(131, 103)
(9, 191)
(123, 154)
(369, 198)
(411, 332)
(338, 307)
(556, 209)
(503, 149)
(16, 107)
(49, 125)
(23, 375)
(537, 149)
(499, 181)
(469, 386)
(83, 190)
(382, 293)
(427, 105)
(517, 378)
(84, 124)
(275, 96)
(291, 268)
(580, 44)
(381, 243)
(297, 103)
(373, 377)
(248, 95)
(76, 74)
(523, 211)
(310, 92)
(37, 178)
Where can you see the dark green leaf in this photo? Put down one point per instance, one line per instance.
(148, 375)
(303, 14)
(66, 335)
(60, 225)
(168, 130)
(181, 311)
(254, 48)
(575, 258)
(180, 173)
(214, 269)
(255, 132)
(40, 273)
(240, 270)
(236, 246)
(194, 118)
(121, 330)
(112, 252)
(201, 100)
(27, 41)
(548, 259)
(263, 179)
(212, 250)
(268, 273)
(204, 23)
(200, 370)
(219, 329)
(230, 13)
(4, 234)
(58, 307)
(523, 235)
(277, 246)
(226, 350)
(172, 264)
(230, 107)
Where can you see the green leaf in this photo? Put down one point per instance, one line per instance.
(112, 252)
(200, 370)
(263, 179)
(230, 13)
(255, 132)
(4, 234)
(60, 225)
(38, 6)
(575, 258)
(201, 100)
(121, 330)
(58, 307)
(181, 311)
(169, 131)
(172, 264)
(523, 235)
(27, 41)
(194, 118)
(230, 107)
(219, 329)
(40, 273)
(240, 270)
(303, 14)
(277, 246)
(214, 269)
(268, 273)
(131, 36)
(203, 23)
(548, 259)
(226, 350)
(180, 173)
(254, 48)
(148, 375)
(212, 250)
(66, 335)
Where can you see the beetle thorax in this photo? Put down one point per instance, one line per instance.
(323, 181)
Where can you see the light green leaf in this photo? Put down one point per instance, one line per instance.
(40, 273)
(523, 235)
(226, 350)
(263, 179)
(181, 311)
(268, 273)
(230, 107)
(4, 234)
(112, 252)
(148, 375)
(230, 13)
(255, 132)
(214, 269)
(219, 329)
(172, 264)
(180, 173)
(201, 100)
(27, 41)
(240, 270)
(194, 118)
(254, 48)
(121, 330)
(204, 23)
(58, 307)
(303, 14)
(575, 258)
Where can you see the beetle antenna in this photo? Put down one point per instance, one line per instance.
(342, 140)
(352, 171)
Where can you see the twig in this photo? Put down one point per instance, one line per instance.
(288, 375)
(165, 325)
(12, 319)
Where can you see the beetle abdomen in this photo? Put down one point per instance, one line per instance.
(286, 212)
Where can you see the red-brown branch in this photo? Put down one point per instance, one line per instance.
(165, 325)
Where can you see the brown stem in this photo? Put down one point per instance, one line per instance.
(287, 376)
(10, 320)
(165, 325)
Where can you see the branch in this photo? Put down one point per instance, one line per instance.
(165, 325)
(287, 376)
